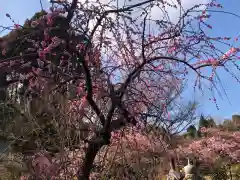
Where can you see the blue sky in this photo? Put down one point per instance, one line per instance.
(19, 10)
(223, 25)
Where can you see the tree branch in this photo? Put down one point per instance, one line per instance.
(143, 37)
(104, 14)
(90, 92)
(71, 10)
(137, 70)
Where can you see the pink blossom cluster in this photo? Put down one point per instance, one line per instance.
(78, 105)
(136, 138)
(65, 164)
(216, 144)
(231, 52)
(215, 62)
(49, 17)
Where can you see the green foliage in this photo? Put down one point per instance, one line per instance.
(235, 171)
(207, 123)
(211, 122)
(220, 170)
(224, 172)
(7, 114)
(11, 168)
(192, 131)
(35, 17)
(220, 173)
(203, 122)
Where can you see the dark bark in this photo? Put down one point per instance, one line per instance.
(92, 150)
(4, 83)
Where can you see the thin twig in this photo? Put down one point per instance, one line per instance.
(41, 4)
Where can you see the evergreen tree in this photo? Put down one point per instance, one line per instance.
(203, 122)
(192, 131)
(211, 122)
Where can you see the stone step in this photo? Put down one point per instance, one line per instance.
(2, 169)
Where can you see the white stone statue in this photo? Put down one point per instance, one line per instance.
(191, 172)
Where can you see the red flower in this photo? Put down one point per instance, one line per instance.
(226, 38)
(212, 46)
(46, 50)
(41, 53)
(209, 26)
(49, 21)
(16, 26)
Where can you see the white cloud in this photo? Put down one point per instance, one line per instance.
(156, 12)
(174, 13)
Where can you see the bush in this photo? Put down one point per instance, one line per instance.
(220, 170)
(220, 173)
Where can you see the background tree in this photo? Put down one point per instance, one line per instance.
(211, 122)
(217, 144)
(192, 131)
(203, 122)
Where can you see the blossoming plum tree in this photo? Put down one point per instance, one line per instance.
(216, 144)
(120, 62)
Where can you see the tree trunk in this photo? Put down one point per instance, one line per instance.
(92, 150)
(3, 86)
